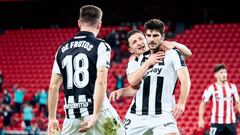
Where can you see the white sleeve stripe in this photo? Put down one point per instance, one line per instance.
(56, 68)
(181, 58)
(133, 65)
(177, 60)
(235, 92)
(207, 93)
(104, 52)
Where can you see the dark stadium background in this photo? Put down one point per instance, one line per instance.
(46, 13)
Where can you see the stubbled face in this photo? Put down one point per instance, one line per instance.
(154, 39)
(137, 44)
(221, 75)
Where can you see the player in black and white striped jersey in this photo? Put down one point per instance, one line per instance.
(154, 109)
(138, 45)
(82, 65)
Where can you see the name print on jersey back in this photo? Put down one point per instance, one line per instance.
(74, 44)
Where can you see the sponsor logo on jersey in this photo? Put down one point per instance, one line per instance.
(168, 124)
(76, 105)
(154, 70)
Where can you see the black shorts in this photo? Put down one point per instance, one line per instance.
(223, 129)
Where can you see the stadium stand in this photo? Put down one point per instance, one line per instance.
(26, 58)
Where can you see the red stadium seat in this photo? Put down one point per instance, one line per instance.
(27, 57)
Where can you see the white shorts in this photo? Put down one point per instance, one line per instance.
(72, 126)
(150, 124)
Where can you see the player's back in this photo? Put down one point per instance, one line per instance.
(78, 59)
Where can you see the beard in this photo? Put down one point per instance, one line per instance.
(154, 48)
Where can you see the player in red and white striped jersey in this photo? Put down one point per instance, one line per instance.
(223, 95)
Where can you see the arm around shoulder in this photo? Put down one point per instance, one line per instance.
(183, 49)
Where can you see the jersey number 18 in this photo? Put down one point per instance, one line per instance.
(74, 77)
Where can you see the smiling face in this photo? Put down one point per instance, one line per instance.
(137, 44)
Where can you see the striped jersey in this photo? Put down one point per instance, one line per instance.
(222, 102)
(77, 61)
(155, 94)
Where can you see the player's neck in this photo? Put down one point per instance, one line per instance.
(90, 29)
(221, 82)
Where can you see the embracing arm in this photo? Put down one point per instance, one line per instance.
(183, 49)
(126, 91)
(135, 78)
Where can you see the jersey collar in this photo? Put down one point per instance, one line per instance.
(85, 33)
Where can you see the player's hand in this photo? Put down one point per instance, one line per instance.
(115, 95)
(155, 58)
(178, 110)
(53, 127)
(201, 123)
(88, 123)
(166, 45)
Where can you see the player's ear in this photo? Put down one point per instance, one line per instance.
(215, 75)
(163, 36)
(130, 50)
(79, 24)
(99, 25)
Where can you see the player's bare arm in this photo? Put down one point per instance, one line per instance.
(136, 77)
(99, 93)
(202, 108)
(184, 78)
(183, 49)
(238, 106)
(126, 91)
(55, 83)
(236, 99)
(167, 45)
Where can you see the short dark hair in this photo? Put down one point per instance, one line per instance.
(90, 14)
(132, 32)
(154, 24)
(219, 67)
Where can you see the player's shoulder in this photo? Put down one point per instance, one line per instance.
(67, 42)
(102, 42)
(172, 52)
(175, 52)
(99, 40)
(212, 86)
(232, 85)
(133, 57)
(144, 55)
(62, 45)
